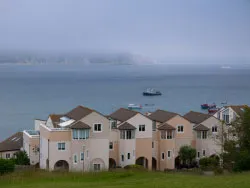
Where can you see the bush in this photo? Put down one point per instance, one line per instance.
(242, 162)
(208, 163)
(21, 158)
(134, 166)
(6, 166)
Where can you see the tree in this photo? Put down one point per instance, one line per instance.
(236, 154)
(187, 154)
(21, 158)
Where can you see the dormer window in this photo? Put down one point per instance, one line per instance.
(225, 116)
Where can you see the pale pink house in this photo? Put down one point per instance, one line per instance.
(206, 131)
(76, 141)
(131, 137)
(170, 132)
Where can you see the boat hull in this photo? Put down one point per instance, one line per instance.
(151, 94)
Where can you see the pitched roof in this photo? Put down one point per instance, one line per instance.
(162, 115)
(123, 114)
(126, 126)
(79, 125)
(14, 142)
(201, 127)
(196, 117)
(55, 118)
(166, 126)
(79, 112)
(239, 109)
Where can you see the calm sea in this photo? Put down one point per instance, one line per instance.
(30, 92)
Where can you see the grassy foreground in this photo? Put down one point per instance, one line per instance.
(40, 179)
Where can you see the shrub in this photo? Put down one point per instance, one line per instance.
(6, 166)
(218, 171)
(21, 158)
(134, 166)
(208, 163)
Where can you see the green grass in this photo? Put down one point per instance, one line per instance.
(127, 179)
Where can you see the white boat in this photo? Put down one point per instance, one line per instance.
(134, 106)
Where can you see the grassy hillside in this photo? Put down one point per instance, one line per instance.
(121, 179)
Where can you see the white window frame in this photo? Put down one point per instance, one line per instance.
(7, 156)
(99, 165)
(60, 149)
(169, 152)
(122, 158)
(75, 159)
(128, 156)
(142, 128)
(153, 125)
(214, 128)
(111, 143)
(81, 156)
(162, 156)
(203, 153)
(181, 132)
(97, 131)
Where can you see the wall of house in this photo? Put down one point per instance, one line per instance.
(49, 123)
(212, 144)
(93, 118)
(114, 137)
(144, 149)
(184, 138)
(37, 123)
(31, 145)
(43, 152)
(3, 153)
(125, 147)
(155, 139)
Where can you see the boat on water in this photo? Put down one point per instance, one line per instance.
(151, 92)
(208, 106)
(134, 106)
(212, 110)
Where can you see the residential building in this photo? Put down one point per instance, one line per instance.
(11, 145)
(207, 131)
(131, 135)
(170, 132)
(75, 141)
(229, 113)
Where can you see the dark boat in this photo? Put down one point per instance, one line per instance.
(208, 106)
(151, 92)
(212, 110)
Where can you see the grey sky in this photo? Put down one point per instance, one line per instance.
(156, 28)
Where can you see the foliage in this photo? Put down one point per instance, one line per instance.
(209, 163)
(6, 166)
(237, 149)
(21, 158)
(134, 166)
(218, 171)
(187, 154)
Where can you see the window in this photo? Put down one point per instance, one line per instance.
(162, 156)
(61, 146)
(180, 128)
(141, 128)
(97, 127)
(122, 157)
(111, 145)
(218, 115)
(152, 144)
(198, 154)
(214, 129)
(169, 134)
(87, 153)
(75, 134)
(204, 134)
(169, 154)
(128, 155)
(127, 134)
(75, 159)
(163, 134)
(154, 126)
(204, 153)
(97, 167)
(225, 115)
(82, 156)
(7, 156)
(113, 124)
(80, 134)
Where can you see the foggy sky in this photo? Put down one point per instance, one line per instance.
(156, 28)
